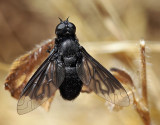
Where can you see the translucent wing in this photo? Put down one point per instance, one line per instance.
(42, 85)
(101, 81)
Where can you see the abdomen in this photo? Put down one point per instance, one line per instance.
(72, 85)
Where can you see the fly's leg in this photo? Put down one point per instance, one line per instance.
(50, 50)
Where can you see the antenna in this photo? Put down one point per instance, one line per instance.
(67, 19)
(60, 20)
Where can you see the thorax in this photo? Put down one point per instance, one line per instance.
(68, 47)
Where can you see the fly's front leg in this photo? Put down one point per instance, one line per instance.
(54, 50)
(49, 48)
(55, 53)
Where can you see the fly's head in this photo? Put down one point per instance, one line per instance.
(65, 28)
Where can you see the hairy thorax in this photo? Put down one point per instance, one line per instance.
(69, 49)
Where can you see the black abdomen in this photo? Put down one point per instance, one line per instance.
(72, 85)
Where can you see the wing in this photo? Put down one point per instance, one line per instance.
(42, 85)
(101, 81)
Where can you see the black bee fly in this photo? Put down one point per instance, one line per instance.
(68, 68)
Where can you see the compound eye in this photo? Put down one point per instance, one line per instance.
(70, 25)
(61, 26)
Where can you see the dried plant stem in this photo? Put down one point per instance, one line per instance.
(143, 72)
(142, 105)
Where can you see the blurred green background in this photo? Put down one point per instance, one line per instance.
(26, 23)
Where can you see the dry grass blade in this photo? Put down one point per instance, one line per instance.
(141, 104)
(23, 68)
